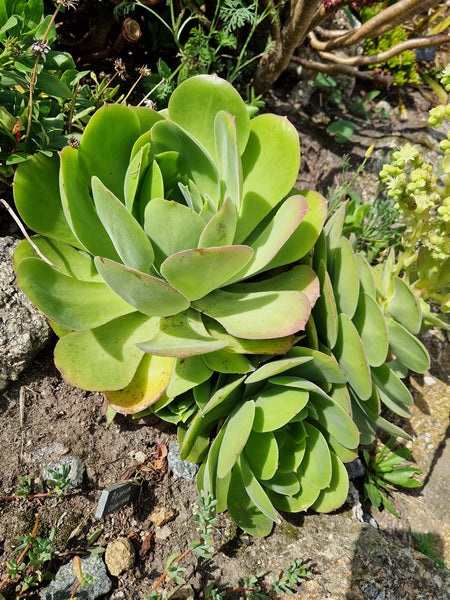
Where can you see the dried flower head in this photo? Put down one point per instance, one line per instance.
(144, 71)
(40, 47)
(68, 3)
(120, 68)
(73, 141)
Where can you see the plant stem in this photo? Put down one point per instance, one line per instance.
(164, 574)
(22, 556)
(33, 77)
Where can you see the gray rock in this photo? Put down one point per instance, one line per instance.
(76, 472)
(355, 468)
(52, 452)
(180, 468)
(65, 580)
(24, 330)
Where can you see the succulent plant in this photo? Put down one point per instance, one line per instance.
(162, 244)
(186, 277)
(283, 432)
(367, 318)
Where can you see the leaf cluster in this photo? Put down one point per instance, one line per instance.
(42, 99)
(386, 471)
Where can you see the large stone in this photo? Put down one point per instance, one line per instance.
(24, 330)
(65, 580)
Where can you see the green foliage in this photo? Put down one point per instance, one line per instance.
(24, 487)
(59, 481)
(252, 587)
(385, 471)
(206, 39)
(42, 99)
(422, 197)
(402, 67)
(426, 543)
(186, 277)
(34, 553)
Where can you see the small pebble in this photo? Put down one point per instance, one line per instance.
(120, 556)
(180, 468)
(162, 533)
(162, 515)
(141, 457)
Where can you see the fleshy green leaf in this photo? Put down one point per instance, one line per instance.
(350, 354)
(243, 510)
(273, 141)
(79, 208)
(196, 102)
(194, 161)
(316, 465)
(128, 237)
(393, 392)
(283, 483)
(371, 326)
(280, 228)
(104, 358)
(74, 304)
(307, 232)
(261, 453)
(152, 187)
(407, 348)
(404, 307)
(221, 228)
(187, 373)
(335, 495)
(181, 335)
(135, 174)
(147, 386)
(325, 310)
(345, 278)
(322, 368)
(197, 272)
(41, 210)
(299, 501)
(163, 218)
(69, 260)
(300, 278)
(291, 452)
(224, 361)
(237, 429)
(274, 407)
(149, 295)
(106, 145)
(220, 405)
(366, 276)
(274, 367)
(259, 315)
(256, 491)
(227, 155)
(335, 420)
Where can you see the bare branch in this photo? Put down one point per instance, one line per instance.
(372, 59)
(336, 69)
(387, 19)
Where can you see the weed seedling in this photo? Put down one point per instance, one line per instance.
(385, 471)
(34, 553)
(252, 587)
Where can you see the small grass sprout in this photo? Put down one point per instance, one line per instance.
(426, 543)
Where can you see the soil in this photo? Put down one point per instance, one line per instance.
(43, 418)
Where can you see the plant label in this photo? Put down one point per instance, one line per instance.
(115, 496)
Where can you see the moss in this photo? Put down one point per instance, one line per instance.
(288, 531)
(63, 532)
